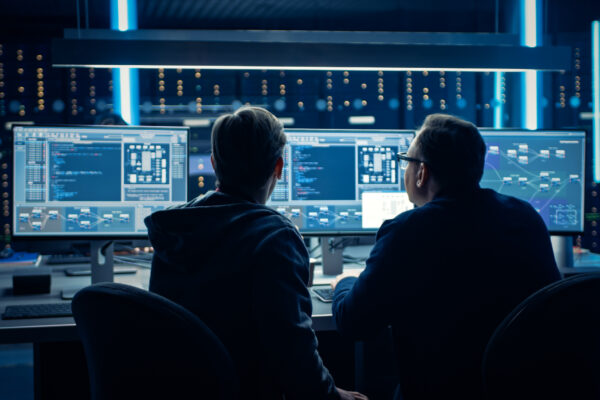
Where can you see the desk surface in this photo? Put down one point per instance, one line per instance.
(63, 328)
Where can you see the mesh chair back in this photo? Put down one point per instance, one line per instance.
(549, 346)
(141, 345)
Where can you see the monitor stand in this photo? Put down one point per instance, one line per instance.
(333, 258)
(101, 254)
(562, 247)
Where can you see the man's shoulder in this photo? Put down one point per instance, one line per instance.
(508, 204)
(407, 221)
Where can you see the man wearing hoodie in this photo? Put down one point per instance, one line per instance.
(242, 267)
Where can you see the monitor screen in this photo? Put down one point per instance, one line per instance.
(544, 168)
(81, 181)
(341, 181)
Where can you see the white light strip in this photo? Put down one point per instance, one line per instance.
(596, 97)
(197, 122)
(530, 23)
(287, 121)
(529, 113)
(125, 95)
(123, 15)
(361, 120)
(294, 68)
(531, 106)
(499, 106)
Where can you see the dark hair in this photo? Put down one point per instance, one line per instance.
(453, 149)
(246, 146)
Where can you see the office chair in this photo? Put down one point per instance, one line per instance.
(549, 346)
(140, 345)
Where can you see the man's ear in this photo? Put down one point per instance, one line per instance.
(278, 167)
(422, 175)
(212, 161)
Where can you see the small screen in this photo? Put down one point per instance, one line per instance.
(341, 181)
(544, 168)
(95, 181)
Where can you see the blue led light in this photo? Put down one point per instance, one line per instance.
(531, 80)
(497, 102)
(126, 97)
(596, 97)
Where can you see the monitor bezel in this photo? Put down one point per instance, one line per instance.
(583, 179)
(88, 237)
(336, 233)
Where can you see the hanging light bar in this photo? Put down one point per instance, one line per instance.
(303, 50)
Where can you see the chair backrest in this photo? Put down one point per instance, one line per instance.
(549, 346)
(141, 345)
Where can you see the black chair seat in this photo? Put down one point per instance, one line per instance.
(141, 345)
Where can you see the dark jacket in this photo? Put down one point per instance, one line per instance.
(444, 276)
(243, 269)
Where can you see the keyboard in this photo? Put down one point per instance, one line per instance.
(324, 294)
(48, 310)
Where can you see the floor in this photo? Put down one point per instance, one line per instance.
(16, 372)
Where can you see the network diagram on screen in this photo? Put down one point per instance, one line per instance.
(74, 181)
(544, 168)
(340, 181)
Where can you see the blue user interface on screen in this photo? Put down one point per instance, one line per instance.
(327, 173)
(544, 168)
(95, 181)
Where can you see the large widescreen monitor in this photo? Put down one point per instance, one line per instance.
(342, 181)
(544, 168)
(95, 181)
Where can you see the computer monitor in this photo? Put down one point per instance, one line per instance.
(95, 181)
(544, 168)
(342, 182)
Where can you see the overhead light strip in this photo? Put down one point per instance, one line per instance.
(291, 68)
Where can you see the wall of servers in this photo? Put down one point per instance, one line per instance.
(31, 91)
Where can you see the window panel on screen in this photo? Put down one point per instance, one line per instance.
(544, 168)
(341, 181)
(95, 180)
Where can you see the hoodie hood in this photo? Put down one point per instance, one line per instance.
(210, 230)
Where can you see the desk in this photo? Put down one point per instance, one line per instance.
(63, 329)
(59, 366)
(50, 329)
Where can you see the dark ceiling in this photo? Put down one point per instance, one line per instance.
(33, 17)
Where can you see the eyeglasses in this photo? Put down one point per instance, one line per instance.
(404, 160)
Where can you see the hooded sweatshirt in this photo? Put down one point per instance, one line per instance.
(242, 268)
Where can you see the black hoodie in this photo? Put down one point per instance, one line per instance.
(243, 269)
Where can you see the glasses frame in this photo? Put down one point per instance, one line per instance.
(403, 159)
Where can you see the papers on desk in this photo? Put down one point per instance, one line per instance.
(21, 259)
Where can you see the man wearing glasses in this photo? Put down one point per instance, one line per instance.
(446, 273)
